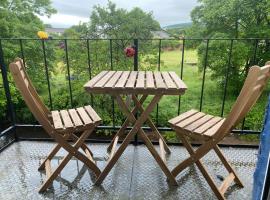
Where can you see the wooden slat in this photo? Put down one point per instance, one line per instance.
(104, 79)
(131, 80)
(162, 151)
(92, 113)
(122, 80)
(140, 80)
(180, 84)
(182, 116)
(207, 125)
(214, 128)
(150, 80)
(114, 147)
(159, 81)
(111, 83)
(168, 80)
(199, 122)
(84, 116)
(48, 168)
(95, 79)
(57, 122)
(66, 119)
(75, 117)
(88, 154)
(226, 183)
(190, 120)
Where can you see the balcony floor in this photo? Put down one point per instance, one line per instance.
(135, 176)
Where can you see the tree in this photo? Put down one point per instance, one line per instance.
(232, 19)
(117, 23)
(18, 19)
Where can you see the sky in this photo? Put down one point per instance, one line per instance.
(166, 12)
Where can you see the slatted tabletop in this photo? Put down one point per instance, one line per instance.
(136, 82)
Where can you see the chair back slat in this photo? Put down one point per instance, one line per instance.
(255, 82)
(30, 95)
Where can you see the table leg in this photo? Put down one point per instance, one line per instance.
(138, 123)
(120, 132)
(151, 124)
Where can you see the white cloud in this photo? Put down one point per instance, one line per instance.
(63, 20)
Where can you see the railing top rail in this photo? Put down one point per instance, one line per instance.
(138, 38)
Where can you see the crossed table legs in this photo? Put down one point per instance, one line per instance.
(144, 117)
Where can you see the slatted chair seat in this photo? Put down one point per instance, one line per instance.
(79, 119)
(197, 124)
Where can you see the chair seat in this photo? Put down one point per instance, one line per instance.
(79, 118)
(197, 124)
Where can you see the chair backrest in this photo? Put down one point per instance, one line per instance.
(255, 82)
(30, 95)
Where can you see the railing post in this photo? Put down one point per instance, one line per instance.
(47, 73)
(159, 57)
(111, 63)
(226, 78)
(135, 68)
(204, 70)
(68, 70)
(181, 73)
(11, 112)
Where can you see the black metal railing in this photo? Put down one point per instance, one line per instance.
(11, 113)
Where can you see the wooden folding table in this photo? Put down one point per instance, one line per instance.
(134, 83)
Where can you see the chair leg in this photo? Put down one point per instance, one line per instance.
(202, 168)
(84, 147)
(50, 178)
(50, 156)
(72, 151)
(54, 151)
(227, 165)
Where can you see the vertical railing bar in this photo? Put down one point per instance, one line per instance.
(22, 51)
(204, 70)
(10, 107)
(181, 73)
(47, 72)
(68, 69)
(253, 63)
(111, 63)
(226, 78)
(255, 52)
(89, 68)
(135, 68)
(159, 56)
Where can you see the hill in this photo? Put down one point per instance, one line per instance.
(178, 26)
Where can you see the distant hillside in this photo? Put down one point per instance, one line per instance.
(178, 26)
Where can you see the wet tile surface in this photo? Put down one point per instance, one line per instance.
(135, 176)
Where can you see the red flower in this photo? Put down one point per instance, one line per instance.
(130, 51)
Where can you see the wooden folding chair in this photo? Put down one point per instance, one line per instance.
(210, 130)
(60, 125)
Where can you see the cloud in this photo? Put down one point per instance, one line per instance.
(63, 20)
(167, 12)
